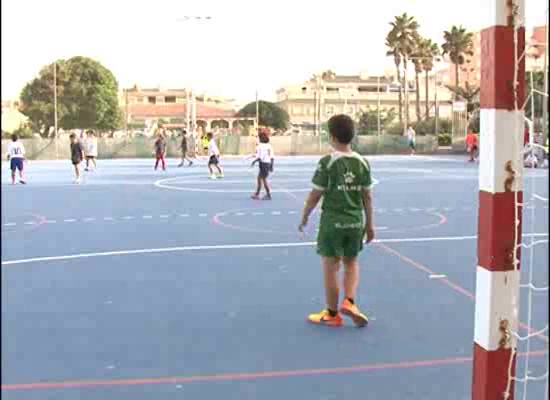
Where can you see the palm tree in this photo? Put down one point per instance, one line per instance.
(328, 74)
(404, 33)
(417, 58)
(458, 44)
(430, 51)
(391, 43)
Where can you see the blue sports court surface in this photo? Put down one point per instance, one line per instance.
(141, 285)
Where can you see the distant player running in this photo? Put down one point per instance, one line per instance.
(91, 150)
(213, 157)
(160, 151)
(77, 155)
(411, 139)
(184, 150)
(264, 155)
(471, 145)
(16, 157)
(343, 180)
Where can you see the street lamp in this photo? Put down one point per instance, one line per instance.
(190, 99)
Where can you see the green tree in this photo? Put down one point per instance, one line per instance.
(458, 43)
(539, 99)
(87, 96)
(404, 35)
(271, 115)
(368, 120)
(430, 51)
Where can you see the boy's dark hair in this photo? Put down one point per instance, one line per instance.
(264, 138)
(14, 137)
(209, 135)
(72, 136)
(342, 128)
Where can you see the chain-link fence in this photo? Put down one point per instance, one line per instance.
(140, 147)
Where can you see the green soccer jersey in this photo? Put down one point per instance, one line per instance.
(342, 177)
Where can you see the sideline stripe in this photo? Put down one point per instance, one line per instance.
(234, 247)
(249, 375)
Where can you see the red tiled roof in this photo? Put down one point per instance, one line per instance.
(177, 110)
(539, 39)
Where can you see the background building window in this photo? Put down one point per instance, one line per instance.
(170, 99)
(152, 100)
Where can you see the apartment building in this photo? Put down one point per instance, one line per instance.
(314, 100)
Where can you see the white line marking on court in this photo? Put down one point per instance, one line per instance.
(447, 208)
(240, 214)
(128, 217)
(10, 224)
(69, 220)
(416, 209)
(89, 219)
(108, 218)
(398, 210)
(293, 212)
(437, 276)
(236, 247)
(147, 217)
(30, 223)
(50, 221)
(184, 215)
(431, 209)
(536, 196)
(163, 184)
(203, 215)
(257, 213)
(164, 216)
(275, 213)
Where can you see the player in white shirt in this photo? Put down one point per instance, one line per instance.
(213, 157)
(411, 139)
(264, 155)
(91, 150)
(16, 156)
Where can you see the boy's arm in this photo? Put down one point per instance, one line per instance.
(309, 206)
(367, 204)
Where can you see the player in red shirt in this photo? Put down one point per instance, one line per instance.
(472, 146)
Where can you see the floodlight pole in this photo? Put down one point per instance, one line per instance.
(378, 90)
(55, 109)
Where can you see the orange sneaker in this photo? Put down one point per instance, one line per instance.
(351, 310)
(324, 318)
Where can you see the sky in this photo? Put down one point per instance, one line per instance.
(245, 46)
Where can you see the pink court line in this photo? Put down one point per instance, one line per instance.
(248, 375)
(452, 285)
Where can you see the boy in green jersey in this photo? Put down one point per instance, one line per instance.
(343, 180)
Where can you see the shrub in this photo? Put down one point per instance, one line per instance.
(395, 129)
(24, 131)
(427, 126)
(444, 139)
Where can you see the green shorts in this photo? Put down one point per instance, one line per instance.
(335, 242)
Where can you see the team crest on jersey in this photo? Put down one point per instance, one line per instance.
(349, 177)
